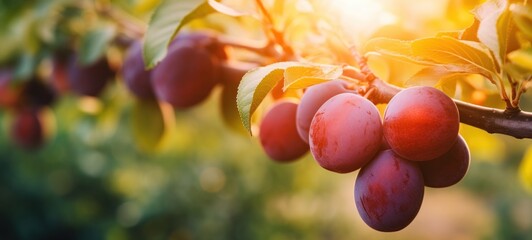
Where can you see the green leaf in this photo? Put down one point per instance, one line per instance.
(168, 19)
(522, 58)
(94, 44)
(298, 77)
(507, 32)
(254, 87)
(398, 49)
(522, 16)
(433, 75)
(496, 29)
(488, 15)
(450, 51)
(148, 125)
(225, 9)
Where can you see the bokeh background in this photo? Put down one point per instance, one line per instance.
(206, 181)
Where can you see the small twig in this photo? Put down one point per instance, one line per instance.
(133, 27)
(260, 48)
(274, 35)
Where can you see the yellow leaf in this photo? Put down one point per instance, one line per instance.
(525, 170)
(483, 146)
(298, 77)
(148, 124)
(522, 58)
(446, 50)
(254, 87)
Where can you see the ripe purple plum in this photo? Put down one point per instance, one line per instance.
(136, 76)
(345, 133)
(202, 39)
(278, 133)
(186, 76)
(89, 80)
(27, 130)
(389, 192)
(421, 123)
(312, 99)
(449, 168)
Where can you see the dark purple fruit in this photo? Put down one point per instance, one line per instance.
(89, 80)
(449, 168)
(186, 76)
(27, 130)
(136, 77)
(36, 93)
(389, 192)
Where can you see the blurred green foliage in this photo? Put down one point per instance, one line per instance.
(90, 182)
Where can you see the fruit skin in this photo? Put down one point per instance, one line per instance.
(312, 99)
(345, 133)
(449, 168)
(89, 80)
(186, 76)
(36, 93)
(389, 192)
(278, 134)
(421, 123)
(9, 95)
(201, 39)
(27, 130)
(59, 76)
(136, 77)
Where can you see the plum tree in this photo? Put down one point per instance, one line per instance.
(389, 192)
(136, 77)
(345, 133)
(312, 100)
(449, 168)
(278, 134)
(187, 74)
(421, 123)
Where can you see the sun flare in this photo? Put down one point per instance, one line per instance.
(360, 18)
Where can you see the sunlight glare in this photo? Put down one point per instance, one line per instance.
(360, 18)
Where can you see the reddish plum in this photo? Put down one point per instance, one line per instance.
(278, 134)
(345, 133)
(421, 123)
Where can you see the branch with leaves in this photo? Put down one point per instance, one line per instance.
(496, 48)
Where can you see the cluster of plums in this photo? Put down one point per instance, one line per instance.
(27, 98)
(415, 144)
(184, 78)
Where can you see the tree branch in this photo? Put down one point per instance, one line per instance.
(512, 123)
